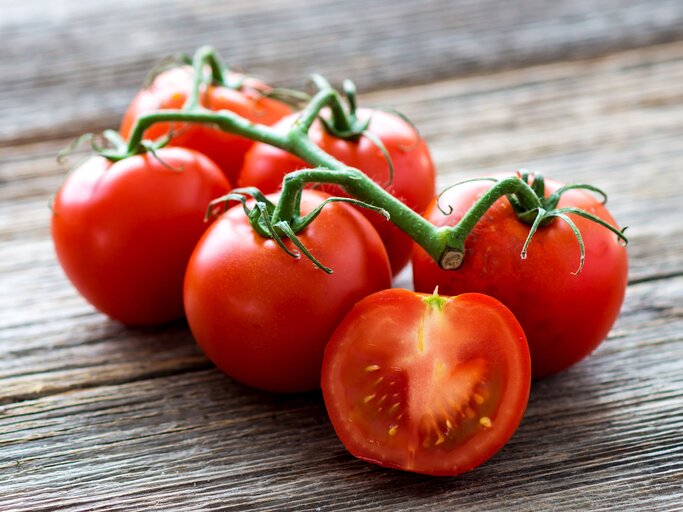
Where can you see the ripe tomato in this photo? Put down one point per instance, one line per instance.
(170, 90)
(124, 232)
(264, 317)
(425, 383)
(413, 181)
(565, 316)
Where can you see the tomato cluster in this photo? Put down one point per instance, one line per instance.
(412, 380)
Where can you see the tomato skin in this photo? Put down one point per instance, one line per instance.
(565, 316)
(123, 232)
(413, 181)
(426, 388)
(264, 317)
(170, 90)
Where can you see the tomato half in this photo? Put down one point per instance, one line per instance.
(264, 317)
(413, 181)
(564, 316)
(425, 383)
(170, 90)
(124, 231)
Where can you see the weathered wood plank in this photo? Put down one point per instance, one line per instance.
(98, 417)
(513, 118)
(68, 50)
(589, 439)
(47, 307)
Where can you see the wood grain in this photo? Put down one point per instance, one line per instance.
(95, 416)
(99, 53)
(593, 435)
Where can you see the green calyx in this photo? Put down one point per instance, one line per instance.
(264, 217)
(549, 212)
(112, 146)
(344, 122)
(532, 207)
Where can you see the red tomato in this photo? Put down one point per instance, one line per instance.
(125, 231)
(170, 90)
(564, 316)
(425, 383)
(413, 181)
(264, 317)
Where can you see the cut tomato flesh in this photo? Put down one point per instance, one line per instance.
(433, 386)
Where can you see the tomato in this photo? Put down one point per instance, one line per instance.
(565, 316)
(170, 90)
(264, 317)
(413, 181)
(124, 231)
(426, 383)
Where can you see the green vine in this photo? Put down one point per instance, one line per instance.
(281, 221)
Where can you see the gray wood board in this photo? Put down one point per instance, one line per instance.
(605, 433)
(71, 66)
(95, 416)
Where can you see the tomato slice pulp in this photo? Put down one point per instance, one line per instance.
(425, 383)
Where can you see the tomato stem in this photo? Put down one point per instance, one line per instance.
(445, 244)
(341, 121)
(505, 187)
(358, 185)
(205, 55)
(225, 120)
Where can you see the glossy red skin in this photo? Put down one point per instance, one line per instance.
(264, 317)
(396, 368)
(170, 90)
(413, 182)
(565, 316)
(124, 232)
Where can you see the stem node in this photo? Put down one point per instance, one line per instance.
(451, 259)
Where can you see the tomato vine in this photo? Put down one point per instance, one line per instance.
(446, 245)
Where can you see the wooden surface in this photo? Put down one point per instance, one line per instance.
(95, 416)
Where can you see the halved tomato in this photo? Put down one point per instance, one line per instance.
(425, 383)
